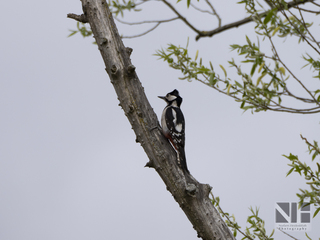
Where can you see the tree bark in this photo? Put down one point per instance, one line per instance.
(192, 196)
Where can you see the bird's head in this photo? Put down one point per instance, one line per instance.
(172, 98)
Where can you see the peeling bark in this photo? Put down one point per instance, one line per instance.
(192, 196)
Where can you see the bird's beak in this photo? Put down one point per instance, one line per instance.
(164, 98)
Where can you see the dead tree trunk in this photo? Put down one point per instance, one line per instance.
(192, 196)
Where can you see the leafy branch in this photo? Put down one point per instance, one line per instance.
(265, 93)
(311, 176)
(256, 228)
(82, 30)
(247, 19)
(266, 86)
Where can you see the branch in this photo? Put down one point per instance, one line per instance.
(244, 21)
(80, 18)
(181, 17)
(291, 73)
(201, 10)
(214, 12)
(304, 24)
(192, 196)
(144, 22)
(306, 100)
(309, 144)
(316, 4)
(280, 108)
(287, 234)
(144, 33)
(275, 108)
(307, 10)
(230, 221)
(301, 34)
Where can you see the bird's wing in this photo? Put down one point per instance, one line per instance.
(176, 125)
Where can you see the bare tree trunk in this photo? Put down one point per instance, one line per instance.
(192, 196)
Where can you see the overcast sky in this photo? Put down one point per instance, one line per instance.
(69, 164)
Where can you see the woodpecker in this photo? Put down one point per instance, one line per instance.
(173, 126)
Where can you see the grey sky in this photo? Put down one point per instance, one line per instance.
(69, 164)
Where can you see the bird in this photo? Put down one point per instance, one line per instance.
(173, 126)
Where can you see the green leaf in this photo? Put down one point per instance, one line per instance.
(228, 90)
(253, 69)
(316, 212)
(282, 70)
(73, 32)
(275, 31)
(308, 237)
(218, 200)
(238, 84)
(291, 157)
(290, 171)
(247, 107)
(247, 61)
(188, 3)
(234, 46)
(261, 66)
(225, 72)
(268, 17)
(212, 67)
(212, 79)
(271, 233)
(248, 40)
(259, 78)
(314, 155)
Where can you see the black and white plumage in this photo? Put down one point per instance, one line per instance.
(173, 126)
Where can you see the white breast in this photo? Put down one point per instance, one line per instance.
(163, 122)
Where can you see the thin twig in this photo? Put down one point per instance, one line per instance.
(181, 17)
(307, 10)
(287, 234)
(144, 33)
(143, 22)
(142, 2)
(307, 142)
(200, 10)
(269, 3)
(214, 11)
(306, 100)
(316, 4)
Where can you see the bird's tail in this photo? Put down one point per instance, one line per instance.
(182, 162)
